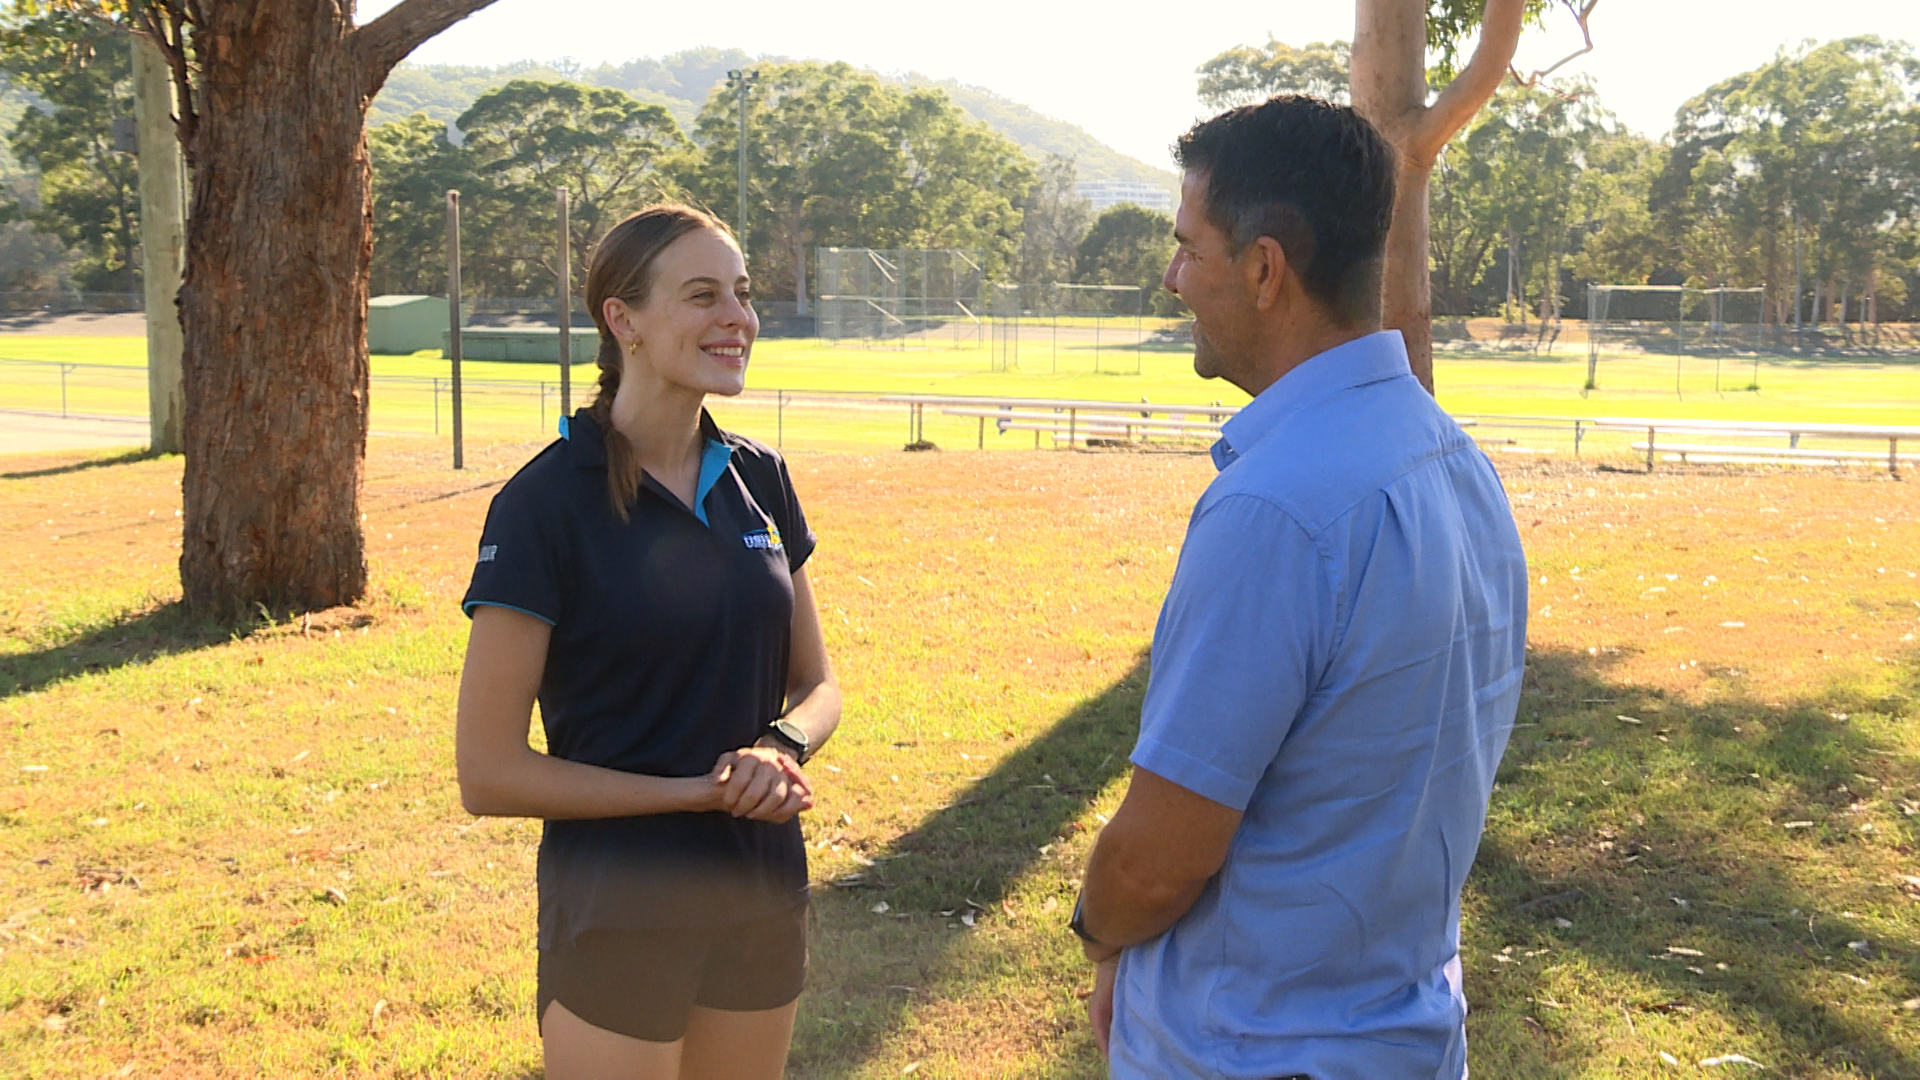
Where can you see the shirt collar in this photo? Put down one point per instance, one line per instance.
(587, 444)
(1369, 359)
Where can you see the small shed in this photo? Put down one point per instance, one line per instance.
(399, 325)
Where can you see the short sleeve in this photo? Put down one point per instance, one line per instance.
(1240, 645)
(794, 531)
(516, 566)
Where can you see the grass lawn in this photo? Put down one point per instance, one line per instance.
(507, 400)
(239, 852)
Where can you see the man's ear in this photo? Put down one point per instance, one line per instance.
(1266, 269)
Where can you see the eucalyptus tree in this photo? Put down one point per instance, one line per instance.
(86, 193)
(272, 100)
(837, 157)
(525, 140)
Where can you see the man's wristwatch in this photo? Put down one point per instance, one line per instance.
(791, 737)
(1078, 923)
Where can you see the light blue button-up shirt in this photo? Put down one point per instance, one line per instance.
(1339, 658)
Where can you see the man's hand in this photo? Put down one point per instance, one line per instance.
(1100, 1005)
(761, 784)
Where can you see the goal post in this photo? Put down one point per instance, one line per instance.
(897, 295)
(1674, 320)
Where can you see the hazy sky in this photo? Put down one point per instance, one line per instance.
(1125, 71)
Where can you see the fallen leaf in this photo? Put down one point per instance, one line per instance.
(1798, 825)
(881, 908)
(1676, 950)
(1729, 1059)
(1629, 719)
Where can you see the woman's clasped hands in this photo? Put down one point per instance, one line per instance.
(761, 784)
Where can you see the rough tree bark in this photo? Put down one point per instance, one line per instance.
(1389, 87)
(273, 99)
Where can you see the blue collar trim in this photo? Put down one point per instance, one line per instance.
(713, 463)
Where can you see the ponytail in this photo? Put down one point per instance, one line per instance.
(622, 268)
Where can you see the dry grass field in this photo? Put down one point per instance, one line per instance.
(239, 851)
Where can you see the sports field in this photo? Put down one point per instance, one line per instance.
(817, 395)
(239, 851)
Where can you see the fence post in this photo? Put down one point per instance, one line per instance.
(1649, 448)
(1576, 440)
(436, 404)
(63, 390)
(780, 420)
(453, 318)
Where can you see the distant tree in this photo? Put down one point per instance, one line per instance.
(1245, 73)
(1820, 145)
(837, 157)
(1524, 154)
(1054, 218)
(527, 139)
(88, 195)
(1621, 241)
(414, 166)
(1127, 245)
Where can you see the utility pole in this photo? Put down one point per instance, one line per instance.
(740, 82)
(565, 270)
(453, 319)
(163, 240)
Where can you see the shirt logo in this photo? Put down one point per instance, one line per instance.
(488, 551)
(767, 539)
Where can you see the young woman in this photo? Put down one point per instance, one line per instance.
(643, 578)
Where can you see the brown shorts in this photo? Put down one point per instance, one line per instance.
(643, 983)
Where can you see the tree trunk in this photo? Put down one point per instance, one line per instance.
(275, 359)
(1389, 87)
(273, 305)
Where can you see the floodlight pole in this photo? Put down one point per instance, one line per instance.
(453, 316)
(740, 81)
(565, 289)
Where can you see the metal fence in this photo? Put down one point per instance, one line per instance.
(14, 302)
(527, 410)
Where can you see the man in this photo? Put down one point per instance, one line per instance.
(1337, 666)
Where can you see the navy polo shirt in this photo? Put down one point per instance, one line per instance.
(669, 648)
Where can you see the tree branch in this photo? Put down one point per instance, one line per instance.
(165, 22)
(388, 39)
(1463, 97)
(1580, 11)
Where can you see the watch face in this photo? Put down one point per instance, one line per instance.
(792, 736)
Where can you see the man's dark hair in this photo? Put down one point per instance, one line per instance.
(1315, 176)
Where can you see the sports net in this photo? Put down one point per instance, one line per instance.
(1673, 320)
(899, 296)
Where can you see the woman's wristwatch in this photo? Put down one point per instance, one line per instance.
(792, 738)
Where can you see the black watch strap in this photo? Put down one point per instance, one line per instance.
(1078, 923)
(791, 737)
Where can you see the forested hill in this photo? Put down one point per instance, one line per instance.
(682, 81)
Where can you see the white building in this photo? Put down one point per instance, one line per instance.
(1105, 193)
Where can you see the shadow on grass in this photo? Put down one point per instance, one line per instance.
(974, 852)
(1643, 844)
(127, 457)
(135, 639)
